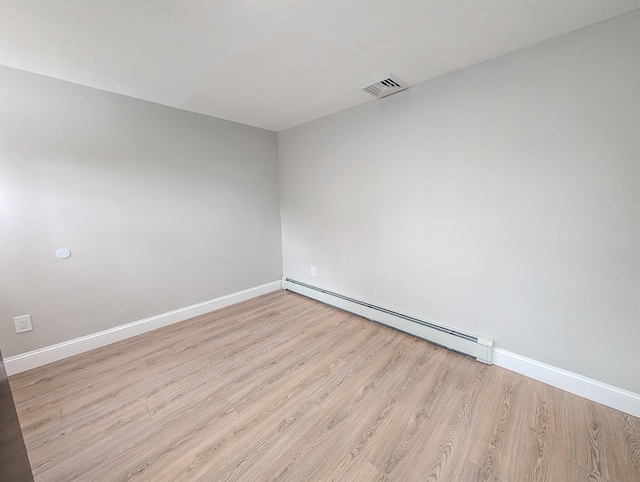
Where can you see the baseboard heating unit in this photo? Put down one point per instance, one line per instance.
(478, 347)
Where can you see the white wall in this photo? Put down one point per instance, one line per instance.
(161, 209)
(503, 200)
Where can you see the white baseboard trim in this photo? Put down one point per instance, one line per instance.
(614, 397)
(49, 354)
(608, 395)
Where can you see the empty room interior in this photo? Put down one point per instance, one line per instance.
(347, 240)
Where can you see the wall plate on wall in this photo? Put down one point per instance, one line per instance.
(23, 323)
(63, 253)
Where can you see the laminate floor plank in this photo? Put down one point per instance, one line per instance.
(360, 472)
(473, 473)
(536, 440)
(273, 448)
(278, 413)
(497, 416)
(285, 388)
(436, 411)
(519, 439)
(54, 386)
(207, 423)
(585, 438)
(616, 464)
(312, 347)
(280, 394)
(377, 423)
(452, 440)
(340, 408)
(631, 430)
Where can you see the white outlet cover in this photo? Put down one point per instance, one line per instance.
(23, 323)
(63, 253)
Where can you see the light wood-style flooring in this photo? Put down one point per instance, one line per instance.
(284, 388)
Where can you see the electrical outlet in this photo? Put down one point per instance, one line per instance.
(313, 271)
(23, 323)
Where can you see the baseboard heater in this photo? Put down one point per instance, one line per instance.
(478, 347)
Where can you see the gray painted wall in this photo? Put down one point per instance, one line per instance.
(160, 208)
(503, 200)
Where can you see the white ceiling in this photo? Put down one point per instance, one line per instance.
(273, 63)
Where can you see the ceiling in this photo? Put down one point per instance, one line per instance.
(273, 64)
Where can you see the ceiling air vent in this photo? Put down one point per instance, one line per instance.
(385, 87)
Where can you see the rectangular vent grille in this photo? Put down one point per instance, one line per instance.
(386, 87)
(478, 347)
